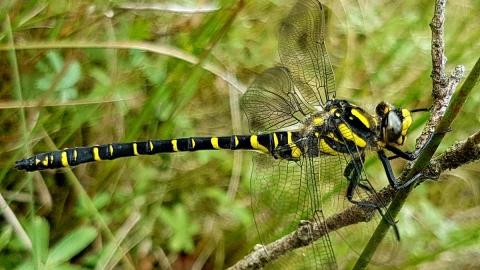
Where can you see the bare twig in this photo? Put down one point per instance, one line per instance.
(438, 48)
(461, 153)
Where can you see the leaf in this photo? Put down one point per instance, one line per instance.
(71, 245)
(5, 237)
(141, 30)
(67, 94)
(99, 201)
(55, 60)
(39, 233)
(229, 208)
(67, 267)
(71, 77)
(182, 228)
(44, 83)
(26, 266)
(52, 70)
(29, 266)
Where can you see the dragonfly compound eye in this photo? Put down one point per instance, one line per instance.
(391, 127)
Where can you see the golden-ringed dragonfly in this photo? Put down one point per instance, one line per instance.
(315, 143)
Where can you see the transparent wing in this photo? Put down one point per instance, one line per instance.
(302, 50)
(270, 102)
(285, 192)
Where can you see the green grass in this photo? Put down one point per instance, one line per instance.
(80, 77)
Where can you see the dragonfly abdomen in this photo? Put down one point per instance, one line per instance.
(74, 156)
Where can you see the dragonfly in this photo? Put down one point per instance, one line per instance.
(311, 145)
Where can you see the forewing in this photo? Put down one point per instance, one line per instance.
(270, 102)
(302, 50)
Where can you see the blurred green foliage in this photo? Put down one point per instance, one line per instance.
(94, 72)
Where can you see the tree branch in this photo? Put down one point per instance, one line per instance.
(303, 236)
(438, 48)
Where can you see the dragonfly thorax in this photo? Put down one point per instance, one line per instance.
(343, 127)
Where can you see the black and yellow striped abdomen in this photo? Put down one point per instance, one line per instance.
(74, 156)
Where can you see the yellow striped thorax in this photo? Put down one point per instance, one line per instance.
(340, 128)
(346, 127)
(343, 127)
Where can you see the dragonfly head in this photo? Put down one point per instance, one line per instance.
(394, 123)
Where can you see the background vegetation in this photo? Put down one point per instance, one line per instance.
(94, 72)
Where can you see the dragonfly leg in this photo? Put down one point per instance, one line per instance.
(390, 176)
(410, 156)
(353, 174)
